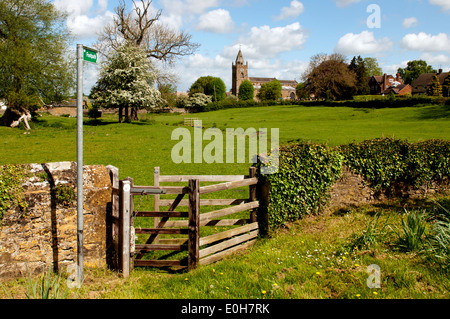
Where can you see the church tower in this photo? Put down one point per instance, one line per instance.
(240, 73)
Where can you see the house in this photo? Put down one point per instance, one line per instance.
(420, 85)
(400, 89)
(378, 84)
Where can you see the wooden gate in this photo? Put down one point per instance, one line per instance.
(184, 227)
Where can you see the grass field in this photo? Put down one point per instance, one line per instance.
(308, 260)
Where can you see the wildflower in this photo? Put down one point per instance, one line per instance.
(227, 288)
(263, 292)
(186, 278)
(375, 293)
(221, 273)
(214, 270)
(318, 273)
(356, 265)
(358, 295)
(344, 258)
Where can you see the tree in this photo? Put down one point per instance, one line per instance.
(328, 77)
(372, 67)
(358, 66)
(414, 69)
(270, 91)
(435, 88)
(446, 87)
(209, 85)
(246, 91)
(301, 91)
(34, 65)
(127, 79)
(142, 27)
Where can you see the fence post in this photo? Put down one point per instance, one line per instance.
(194, 223)
(112, 226)
(252, 189)
(263, 196)
(124, 238)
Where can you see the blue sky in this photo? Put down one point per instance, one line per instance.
(279, 37)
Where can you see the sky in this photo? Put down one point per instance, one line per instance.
(278, 38)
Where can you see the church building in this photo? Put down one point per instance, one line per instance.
(240, 74)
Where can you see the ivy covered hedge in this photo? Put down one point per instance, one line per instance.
(386, 162)
(306, 172)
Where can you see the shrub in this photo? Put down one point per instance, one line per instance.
(246, 91)
(385, 162)
(300, 186)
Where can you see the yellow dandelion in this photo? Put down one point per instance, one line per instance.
(227, 288)
(214, 270)
(186, 278)
(221, 273)
(263, 292)
(358, 295)
(344, 258)
(356, 265)
(375, 293)
(318, 273)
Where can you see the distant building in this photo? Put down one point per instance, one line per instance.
(378, 84)
(420, 85)
(240, 74)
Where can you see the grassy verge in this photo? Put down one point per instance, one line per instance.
(312, 258)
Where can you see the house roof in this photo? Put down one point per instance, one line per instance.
(425, 78)
(265, 80)
(396, 89)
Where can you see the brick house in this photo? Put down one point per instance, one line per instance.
(420, 85)
(378, 84)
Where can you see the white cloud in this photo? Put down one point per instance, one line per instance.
(186, 7)
(295, 9)
(85, 27)
(444, 4)
(81, 20)
(268, 42)
(362, 43)
(72, 7)
(344, 3)
(410, 22)
(216, 21)
(426, 42)
(440, 59)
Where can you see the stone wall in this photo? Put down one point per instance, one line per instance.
(45, 234)
(351, 190)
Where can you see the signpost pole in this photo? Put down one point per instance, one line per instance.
(80, 271)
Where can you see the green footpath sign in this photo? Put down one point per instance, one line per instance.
(89, 55)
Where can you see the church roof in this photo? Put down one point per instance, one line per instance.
(240, 57)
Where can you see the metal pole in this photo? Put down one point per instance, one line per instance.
(79, 164)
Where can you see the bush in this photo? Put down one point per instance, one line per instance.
(246, 91)
(385, 162)
(306, 171)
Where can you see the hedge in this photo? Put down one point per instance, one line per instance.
(307, 171)
(377, 102)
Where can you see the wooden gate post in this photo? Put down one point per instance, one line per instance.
(252, 190)
(194, 223)
(124, 237)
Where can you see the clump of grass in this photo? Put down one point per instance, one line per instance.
(413, 226)
(47, 286)
(373, 233)
(437, 247)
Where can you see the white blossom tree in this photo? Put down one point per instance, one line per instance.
(127, 81)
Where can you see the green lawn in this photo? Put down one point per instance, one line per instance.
(309, 260)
